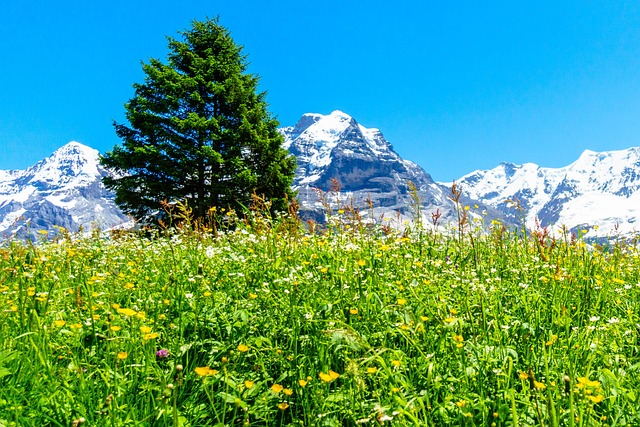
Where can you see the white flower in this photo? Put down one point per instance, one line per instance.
(613, 320)
(594, 318)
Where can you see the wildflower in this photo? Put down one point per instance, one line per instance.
(287, 391)
(145, 329)
(126, 312)
(114, 328)
(362, 262)
(249, 384)
(460, 403)
(59, 323)
(539, 385)
(205, 370)
(353, 311)
(151, 336)
(396, 363)
(302, 383)
(596, 399)
(276, 388)
(122, 355)
(253, 296)
(243, 348)
(372, 370)
(327, 378)
(613, 320)
(162, 353)
(402, 301)
(523, 375)
(282, 406)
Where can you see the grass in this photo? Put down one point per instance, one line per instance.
(265, 326)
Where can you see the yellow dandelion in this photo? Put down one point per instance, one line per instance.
(402, 301)
(523, 375)
(460, 403)
(59, 323)
(253, 296)
(145, 329)
(287, 391)
(114, 328)
(150, 336)
(276, 388)
(396, 363)
(122, 355)
(353, 311)
(302, 383)
(249, 384)
(243, 348)
(372, 370)
(282, 406)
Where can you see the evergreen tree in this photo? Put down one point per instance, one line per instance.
(198, 131)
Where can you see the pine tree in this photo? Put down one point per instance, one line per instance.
(198, 131)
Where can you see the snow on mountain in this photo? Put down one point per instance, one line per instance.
(364, 164)
(63, 190)
(598, 189)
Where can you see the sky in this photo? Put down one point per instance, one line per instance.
(455, 86)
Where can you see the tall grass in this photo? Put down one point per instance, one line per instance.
(268, 325)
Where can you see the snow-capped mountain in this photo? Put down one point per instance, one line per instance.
(364, 164)
(62, 190)
(598, 189)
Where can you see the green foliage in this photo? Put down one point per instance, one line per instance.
(268, 325)
(198, 131)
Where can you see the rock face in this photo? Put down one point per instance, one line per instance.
(598, 189)
(63, 190)
(335, 148)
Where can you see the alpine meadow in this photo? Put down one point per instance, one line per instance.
(225, 307)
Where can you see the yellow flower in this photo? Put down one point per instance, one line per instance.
(402, 301)
(76, 326)
(353, 311)
(207, 294)
(282, 406)
(396, 363)
(460, 403)
(205, 370)
(145, 329)
(253, 296)
(243, 348)
(302, 383)
(327, 378)
(248, 383)
(127, 312)
(123, 355)
(539, 385)
(287, 391)
(115, 328)
(150, 336)
(276, 388)
(596, 399)
(523, 375)
(59, 323)
(372, 370)
(449, 319)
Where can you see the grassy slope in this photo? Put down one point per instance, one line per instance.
(345, 328)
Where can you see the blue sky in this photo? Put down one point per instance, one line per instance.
(455, 86)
